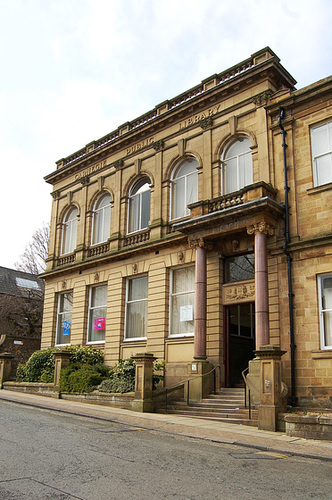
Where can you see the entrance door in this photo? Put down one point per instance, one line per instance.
(239, 341)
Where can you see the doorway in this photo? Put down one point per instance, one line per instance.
(239, 341)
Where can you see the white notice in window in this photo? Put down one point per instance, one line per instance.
(186, 313)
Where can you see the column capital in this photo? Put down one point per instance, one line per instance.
(200, 243)
(261, 227)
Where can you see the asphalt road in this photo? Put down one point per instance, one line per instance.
(47, 455)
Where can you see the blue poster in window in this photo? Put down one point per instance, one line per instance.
(66, 328)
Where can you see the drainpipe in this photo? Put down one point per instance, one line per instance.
(289, 262)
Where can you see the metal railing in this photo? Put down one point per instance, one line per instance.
(175, 387)
(246, 388)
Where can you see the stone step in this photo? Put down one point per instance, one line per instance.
(231, 419)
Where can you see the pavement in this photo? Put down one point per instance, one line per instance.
(218, 432)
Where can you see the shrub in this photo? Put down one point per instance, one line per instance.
(78, 377)
(40, 365)
(38, 368)
(122, 377)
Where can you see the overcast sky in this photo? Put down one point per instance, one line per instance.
(74, 70)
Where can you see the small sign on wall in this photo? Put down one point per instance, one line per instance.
(186, 313)
(194, 368)
(99, 324)
(66, 328)
(18, 342)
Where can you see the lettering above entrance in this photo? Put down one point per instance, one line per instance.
(239, 292)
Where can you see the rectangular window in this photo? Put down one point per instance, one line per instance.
(325, 310)
(182, 296)
(136, 308)
(239, 267)
(97, 313)
(321, 144)
(64, 314)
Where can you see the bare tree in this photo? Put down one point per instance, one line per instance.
(33, 258)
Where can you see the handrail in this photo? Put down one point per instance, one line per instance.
(182, 384)
(246, 385)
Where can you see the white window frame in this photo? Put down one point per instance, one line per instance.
(90, 311)
(323, 311)
(133, 301)
(59, 316)
(225, 158)
(135, 193)
(327, 153)
(175, 179)
(101, 212)
(172, 294)
(69, 231)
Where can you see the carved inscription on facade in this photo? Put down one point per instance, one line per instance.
(199, 117)
(242, 292)
(90, 170)
(140, 145)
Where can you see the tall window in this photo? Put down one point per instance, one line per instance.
(184, 188)
(325, 310)
(97, 313)
(237, 165)
(64, 313)
(139, 206)
(182, 296)
(321, 144)
(101, 225)
(69, 231)
(136, 308)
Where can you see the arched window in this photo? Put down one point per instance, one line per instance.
(101, 223)
(139, 205)
(184, 187)
(237, 165)
(69, 231)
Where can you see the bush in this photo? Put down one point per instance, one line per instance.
(40, 365)
(38, 368)
(122, 377)
(78, 377)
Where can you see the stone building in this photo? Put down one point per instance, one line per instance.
(202, 231)
(21, 309)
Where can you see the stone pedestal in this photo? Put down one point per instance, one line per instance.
(271, 387)
(199, 385)
(62, 359)
(143, 382)
(5, 366)
(254, 381)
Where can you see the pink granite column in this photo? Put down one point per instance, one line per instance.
(261, 231)
(200, 302)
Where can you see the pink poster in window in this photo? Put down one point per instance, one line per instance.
(99, 324)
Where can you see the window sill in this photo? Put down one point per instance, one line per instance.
(319, 189)
(136, 339)
(322, 354)
(94, 342)
(189, 337)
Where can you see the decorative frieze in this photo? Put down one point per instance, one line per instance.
(200, 243)
(158, 145)
(206, 123)
(263, 98)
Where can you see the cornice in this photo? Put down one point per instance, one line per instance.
(263, 64)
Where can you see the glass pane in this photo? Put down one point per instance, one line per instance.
(192, 189)
(320, 142)
(99, 296)
(184, 280)
(138, 288)
(187, 167)
(145, 209)
(97, 322)
(234, 320)
(245, 170)
(327, 293)
(328, 328)
(231, 176)
(66, 302)
(134, 214)
(182, 314)
(136, 319)
(107, 223)
(64, 328)
(179, 206)
(324, 169)
(241, 267)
